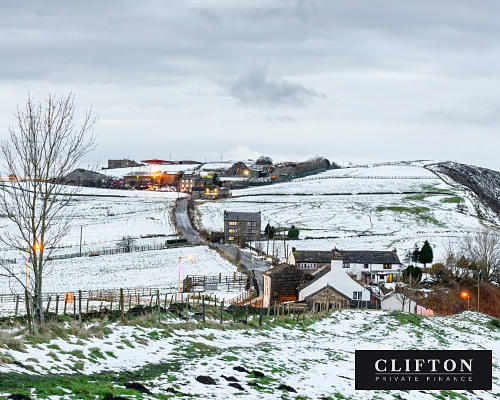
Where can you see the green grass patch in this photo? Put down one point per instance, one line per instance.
(404, 318)
(230, 358)
(409, 210)
(95, 352)
(433, 188)
(418, 197)
(453, 200)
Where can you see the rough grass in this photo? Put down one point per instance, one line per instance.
(454, 199)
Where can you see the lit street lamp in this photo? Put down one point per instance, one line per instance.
(36, 247)
(464, 295)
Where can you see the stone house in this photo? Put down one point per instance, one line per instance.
(333, 288)
(241, 225)
(369, 266)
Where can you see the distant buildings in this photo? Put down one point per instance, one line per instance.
(122, 164)
(241, 226)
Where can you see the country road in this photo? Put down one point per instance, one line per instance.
(184, 224)
(189, 233)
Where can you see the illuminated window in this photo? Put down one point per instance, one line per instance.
(231, 237)
(387, 266)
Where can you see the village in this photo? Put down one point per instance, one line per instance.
(315, 281)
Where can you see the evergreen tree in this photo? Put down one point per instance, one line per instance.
(293, 233)
(415, 272)
(415, 256)
(216, 180)
(426, 255)
(270, 231)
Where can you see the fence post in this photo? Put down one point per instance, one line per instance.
(80, 306)
(17, 306)
(260, 315)
(234, 311)
(74, 306)
(221, 311)
(111, 303)
(65, 303)
(246, 314)
(159, 304)
(187, 308)
(203, 306)
(48, 304)
(165, 302)
(57, 304)
(122, 304)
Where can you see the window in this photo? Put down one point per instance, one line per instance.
(233, 223)
(249, 224)
(254, 223)
(231, 237)
(357, 295)
(345, 265)
(387, 266)
(366, 265)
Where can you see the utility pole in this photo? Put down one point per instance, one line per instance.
(81, 235)
(409, 296)
(478, 289)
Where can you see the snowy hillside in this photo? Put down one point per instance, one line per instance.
(376, 208)
(104, 216)
(316, 360)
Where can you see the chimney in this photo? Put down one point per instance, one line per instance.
(335, 253)
(294, 249)
(394, 250)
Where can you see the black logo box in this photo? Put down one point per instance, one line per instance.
(423, 369)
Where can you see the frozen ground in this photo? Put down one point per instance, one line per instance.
(317, 360)
(360, 211)
(104, 216)
(159, 269)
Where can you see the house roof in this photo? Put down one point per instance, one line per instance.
(313, 256)
(241, 216)
(324, 271)
(369, 257)
(350, 256)
(278, 268)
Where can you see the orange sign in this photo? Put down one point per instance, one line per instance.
(68, 298)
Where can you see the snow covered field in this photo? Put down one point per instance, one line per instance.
(147, 269)
(316, 360)
(360, 211)
(104, 216)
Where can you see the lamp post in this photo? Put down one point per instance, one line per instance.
(36, 246)
(464, 295)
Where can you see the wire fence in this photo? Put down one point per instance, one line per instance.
(121, 250)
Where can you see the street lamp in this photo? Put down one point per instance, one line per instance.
(36, 246)
(464, 295)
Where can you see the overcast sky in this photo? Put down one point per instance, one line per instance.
(354, 81)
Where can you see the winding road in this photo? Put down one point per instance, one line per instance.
(187, 231)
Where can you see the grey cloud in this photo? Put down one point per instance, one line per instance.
(256, 89)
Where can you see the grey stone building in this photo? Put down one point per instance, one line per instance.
(241, 226)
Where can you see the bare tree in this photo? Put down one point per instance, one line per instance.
(43, 147)
(126, 243)
(483, 251)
